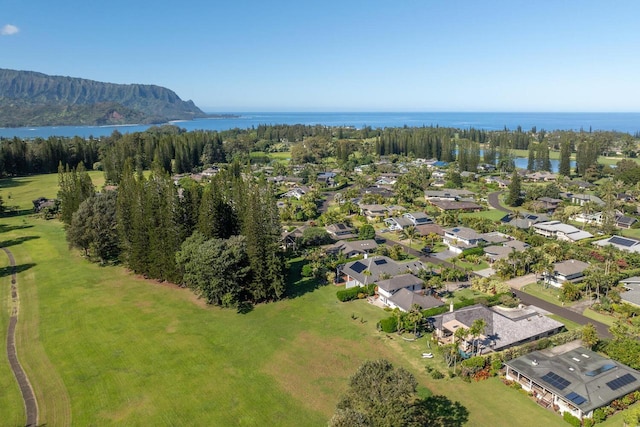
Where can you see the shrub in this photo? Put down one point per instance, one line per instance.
(588, 422)
(389, 325)
(599, 415)
(437, 375)
(574, 421)
(307, 270)
(348, 294)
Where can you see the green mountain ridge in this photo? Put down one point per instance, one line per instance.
(29, 98)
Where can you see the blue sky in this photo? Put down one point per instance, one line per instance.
(361, 55)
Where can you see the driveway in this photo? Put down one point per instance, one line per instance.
(519, 282)
(444, 255)
(494, 201)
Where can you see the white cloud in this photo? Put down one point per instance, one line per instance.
(9, 30)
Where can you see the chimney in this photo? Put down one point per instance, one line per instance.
(366, 255)
(451, 307)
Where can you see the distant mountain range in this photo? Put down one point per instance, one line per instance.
(28, 98)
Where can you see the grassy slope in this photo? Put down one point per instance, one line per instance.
(103, 347)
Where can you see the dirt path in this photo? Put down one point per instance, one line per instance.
(30, 403)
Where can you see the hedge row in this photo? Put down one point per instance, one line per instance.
(356, 292)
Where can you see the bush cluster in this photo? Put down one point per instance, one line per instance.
(356, 292)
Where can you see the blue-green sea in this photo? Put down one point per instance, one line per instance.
(623, 122)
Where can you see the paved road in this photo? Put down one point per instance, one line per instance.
(29, 398)
(494, 201)
(603, 330)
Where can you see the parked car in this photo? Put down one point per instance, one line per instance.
(426, 250)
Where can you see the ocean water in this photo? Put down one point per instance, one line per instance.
(623, 122)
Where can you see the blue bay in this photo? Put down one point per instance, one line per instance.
(623, 122)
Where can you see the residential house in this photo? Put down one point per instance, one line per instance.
(372, 269)
(504, 327)
(572, 378)
(444, 205)
(566, 271)
(289, 239)
(460, 238)
(450, 195)
(398, 223)
(524, 220)
(589, 219)
(426, 229)
(623, 221)
(386, 181)
(541, 176)
(418, 218)
(502, 183)
(494, 253)
(561, 231)
(373, 212)
(402, 292)
(352, 248)
(388, 287)
(632, 293)
(581, 199)
(548, 204)
(341, 231)
(378, 191)
(439, 174)
(296, 192)
(326, 179)
(626, 244)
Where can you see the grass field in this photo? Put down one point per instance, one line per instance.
(602, 318)
(548, 294)
(492, 214)
(104, 347)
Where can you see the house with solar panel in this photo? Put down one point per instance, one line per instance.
(572, 379)
(373, 269)
(626, 244)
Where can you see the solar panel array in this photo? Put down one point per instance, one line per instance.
(380, 261)
(576, 398)
(621, 382)
(358, 267)
(617, 240)
(555, 380)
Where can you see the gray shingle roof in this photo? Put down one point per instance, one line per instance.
(405, 299)
(582, 372)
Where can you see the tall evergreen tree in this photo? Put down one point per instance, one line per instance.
(531, 160)
(75, 186)
(565, 158)
(514, 198)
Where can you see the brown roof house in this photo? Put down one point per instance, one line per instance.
(566, 271)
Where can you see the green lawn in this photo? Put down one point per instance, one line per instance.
(569, 324)
(492, 214)
(632, 232)
(104, 347)
(549, 294)
(599, 317)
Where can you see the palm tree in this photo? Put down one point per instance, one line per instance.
(477, 329)
(458, 336)
(415, 317)
(410, 233)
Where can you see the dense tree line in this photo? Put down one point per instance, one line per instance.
(178, 151)
(221, 240)
(21, 157)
